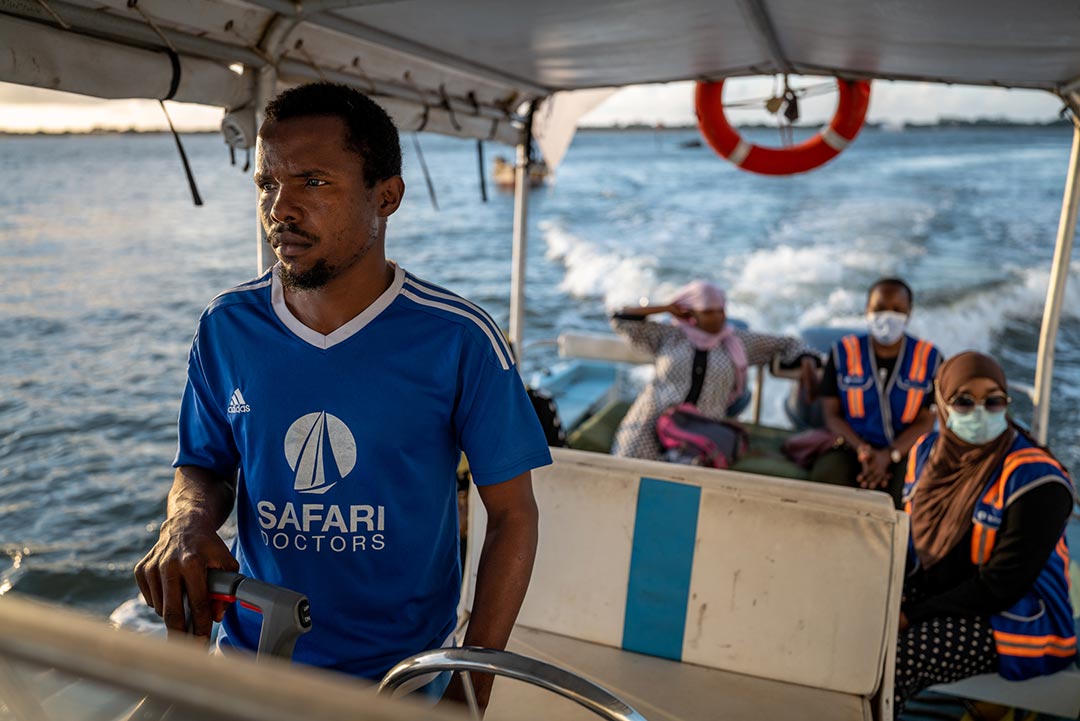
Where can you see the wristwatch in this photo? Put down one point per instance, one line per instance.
(895, 455)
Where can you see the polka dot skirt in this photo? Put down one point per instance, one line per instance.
(942, 650)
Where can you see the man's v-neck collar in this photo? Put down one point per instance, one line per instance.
(346, 331)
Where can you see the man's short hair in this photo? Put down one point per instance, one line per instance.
(370, 133)
(895, 283)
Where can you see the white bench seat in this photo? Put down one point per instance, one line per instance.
(684, 589)
(1055, 695)
(662, 690)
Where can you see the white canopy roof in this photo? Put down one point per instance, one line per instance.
(467, 68)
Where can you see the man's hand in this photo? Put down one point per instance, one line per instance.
(199, 502)
(176, 566)
(875, 473)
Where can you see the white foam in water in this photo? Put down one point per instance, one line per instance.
(773, 288)
(784, 288)
(787, 287)
(134, 615)
(973, 321)
(593, 271)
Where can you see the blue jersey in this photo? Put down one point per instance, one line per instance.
(345, 448)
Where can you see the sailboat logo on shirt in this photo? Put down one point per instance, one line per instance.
(313, 440)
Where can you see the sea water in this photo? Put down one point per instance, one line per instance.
(107, 266)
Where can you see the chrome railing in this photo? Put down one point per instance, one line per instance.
(511, 665)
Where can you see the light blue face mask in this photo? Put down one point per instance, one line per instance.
(977, 427)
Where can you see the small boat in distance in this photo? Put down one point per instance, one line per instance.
(504, 170)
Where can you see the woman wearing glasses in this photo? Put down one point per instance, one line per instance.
(987, 586)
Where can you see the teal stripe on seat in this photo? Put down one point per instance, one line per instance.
(660, 564)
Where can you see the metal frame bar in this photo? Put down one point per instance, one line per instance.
(347, 26)
(759, 393)
(311, 7)
(132, 32)
(379, 88)
(265, 82)
(1059, 276)
(760, 20)
(264, 87)
(521, 237)
(181, 672)
(135, 33)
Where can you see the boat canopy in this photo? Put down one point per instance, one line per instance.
(480, 68)
(472, 68)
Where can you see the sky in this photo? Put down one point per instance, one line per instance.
(24, 109)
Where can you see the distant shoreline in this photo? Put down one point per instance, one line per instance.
(945, 123)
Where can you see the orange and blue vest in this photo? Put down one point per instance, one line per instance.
(1036, 636)
(879, 414)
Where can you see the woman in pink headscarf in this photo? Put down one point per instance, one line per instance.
(700, 358)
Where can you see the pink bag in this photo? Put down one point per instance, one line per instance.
(691, 437)
(804, 448)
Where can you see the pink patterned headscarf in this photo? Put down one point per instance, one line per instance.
(701, 295)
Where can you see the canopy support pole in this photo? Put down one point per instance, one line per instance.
(521, 237)
(1059, 275)
(264, 90)
(265, 81)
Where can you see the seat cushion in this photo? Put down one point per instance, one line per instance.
(764, 465)
(764, 456)
(661, 690)
(597, 433)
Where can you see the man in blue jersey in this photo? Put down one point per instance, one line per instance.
(330, 400)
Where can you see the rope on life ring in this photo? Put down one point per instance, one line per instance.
(807, 155)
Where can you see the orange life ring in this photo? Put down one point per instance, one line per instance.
(807, 155)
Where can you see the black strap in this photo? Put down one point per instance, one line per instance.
(697, 378)
(480, 160)
(195, 197)
(423, 167)
(174, 84)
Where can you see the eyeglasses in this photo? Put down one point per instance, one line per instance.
(964, 403)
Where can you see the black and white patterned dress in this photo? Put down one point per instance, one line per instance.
(636, 437)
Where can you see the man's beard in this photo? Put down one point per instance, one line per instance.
(313, 278)
(321, 272)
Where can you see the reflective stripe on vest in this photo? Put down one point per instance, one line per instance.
(909, 475)
(996, 495)
(920, 363)
(982, 540)
(983, 536)
(1063, 550)
(1016, 644)
(856, 407)
(854, 356)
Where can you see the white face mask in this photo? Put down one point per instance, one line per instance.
(886, 326)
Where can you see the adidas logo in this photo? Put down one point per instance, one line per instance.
(237, 404)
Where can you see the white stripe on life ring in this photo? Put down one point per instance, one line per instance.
(738, 155)
(834, 140)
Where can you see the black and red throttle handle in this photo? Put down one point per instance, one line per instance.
(286, 615)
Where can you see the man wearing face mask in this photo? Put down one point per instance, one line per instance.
(877, 391)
